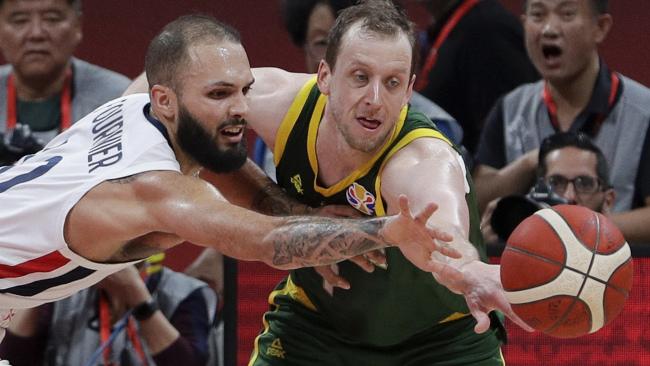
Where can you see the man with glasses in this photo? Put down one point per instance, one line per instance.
(574, 169)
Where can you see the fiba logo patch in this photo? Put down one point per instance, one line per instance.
(359, 198)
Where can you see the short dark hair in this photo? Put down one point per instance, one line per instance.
(75, 4)
(599, 6)
(296, 13)
(578, 140)
(382, 17)
(167, 52)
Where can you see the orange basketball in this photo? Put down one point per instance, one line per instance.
(566, 270)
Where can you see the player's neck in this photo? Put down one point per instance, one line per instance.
(572, 96)
(188, 165)
(336, 158)
(38, 88)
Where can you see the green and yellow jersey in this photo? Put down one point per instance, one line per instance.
(387, 306)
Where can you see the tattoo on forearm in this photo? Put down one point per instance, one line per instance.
(273, 200)
(320, 241)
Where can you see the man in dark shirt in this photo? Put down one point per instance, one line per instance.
(473, 53)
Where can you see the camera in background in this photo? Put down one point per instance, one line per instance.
(16, 143)
(511, 210)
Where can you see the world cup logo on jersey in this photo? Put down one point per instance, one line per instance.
(359, 198)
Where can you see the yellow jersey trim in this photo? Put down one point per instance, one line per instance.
(290, 289)
(290, 120)
(380, 209)
(357, 173)
(298, 294)
(256, 344)
(452, 317)
(314, 123)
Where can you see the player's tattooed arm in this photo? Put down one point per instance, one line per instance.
(251, 188)
(312, 242)
(273, 200)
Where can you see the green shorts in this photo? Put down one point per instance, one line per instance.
(295, 335)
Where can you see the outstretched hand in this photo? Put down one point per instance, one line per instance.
(480, 284)
(415, 238)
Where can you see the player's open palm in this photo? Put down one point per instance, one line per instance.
(480, 284)
(415, 238)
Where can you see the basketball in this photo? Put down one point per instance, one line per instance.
(567, 271)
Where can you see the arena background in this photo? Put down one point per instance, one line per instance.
(116, 34)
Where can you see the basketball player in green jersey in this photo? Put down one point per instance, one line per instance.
(346, 136)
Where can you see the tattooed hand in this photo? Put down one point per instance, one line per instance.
(313, 241)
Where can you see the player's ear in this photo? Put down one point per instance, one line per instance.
(163, 101)
(603, 25)
(324, 77)
(409, 91)
(77, 35)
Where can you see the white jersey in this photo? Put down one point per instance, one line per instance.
(118, 139)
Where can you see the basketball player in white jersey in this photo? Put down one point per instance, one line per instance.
(121, 184)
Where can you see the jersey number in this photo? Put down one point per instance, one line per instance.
(35, 173)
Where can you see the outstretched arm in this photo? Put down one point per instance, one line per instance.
(251, 188)
(176, 207)
(436, 173)
(430, 170)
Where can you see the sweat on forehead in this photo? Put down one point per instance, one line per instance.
(359, 30)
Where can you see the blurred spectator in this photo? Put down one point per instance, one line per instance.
(472, 53)
(165, 321)
(209, 268)
(575, 169)
(571, 169)
(43, 89)
(308, 23)
(579, 93)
